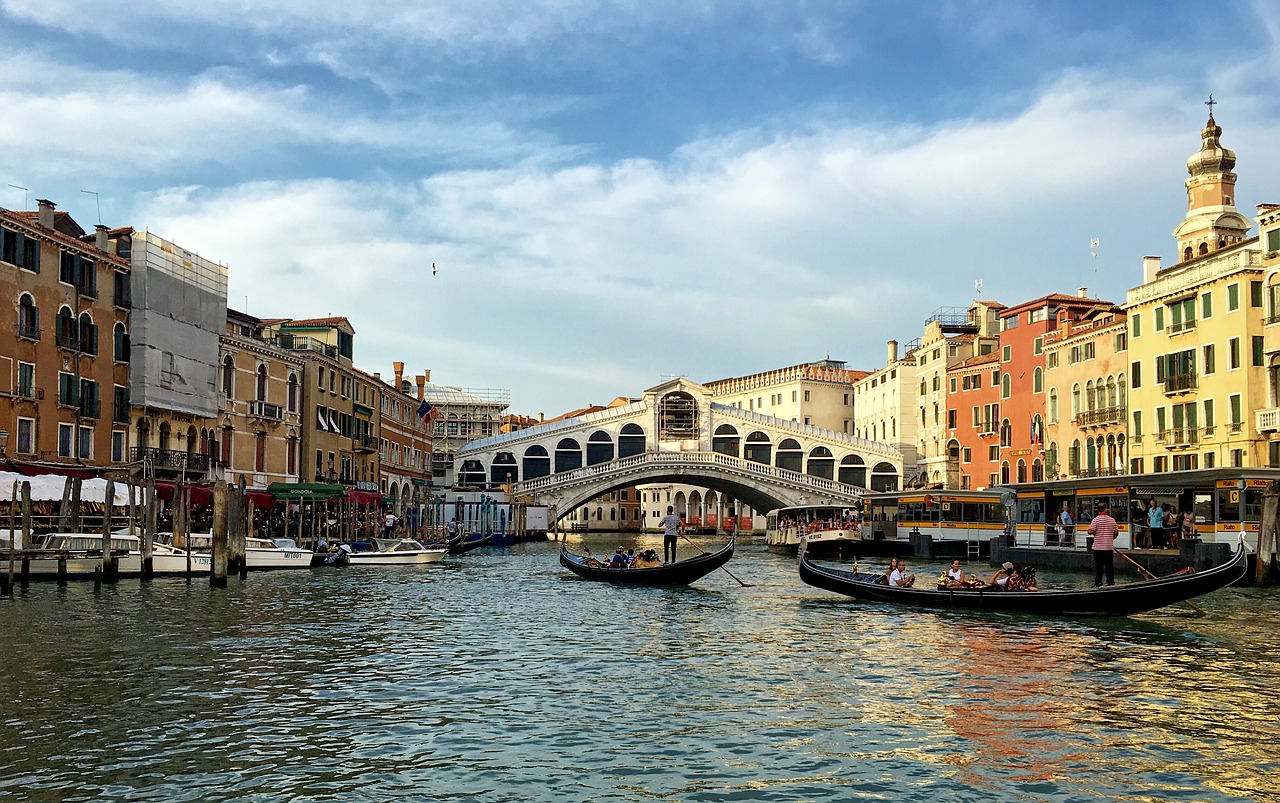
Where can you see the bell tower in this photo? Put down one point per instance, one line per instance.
(1212, 222)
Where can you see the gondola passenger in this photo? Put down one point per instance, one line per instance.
(619, 559)
(899, 578)
(955, 575)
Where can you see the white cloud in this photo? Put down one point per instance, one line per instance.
(578, 283)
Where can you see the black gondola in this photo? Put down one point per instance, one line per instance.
(672, 574)
(1118, 600)
(463, 543)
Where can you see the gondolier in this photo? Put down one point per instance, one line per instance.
(672, 528)
(1103, 529)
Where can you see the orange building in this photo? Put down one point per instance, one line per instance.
(973, 421)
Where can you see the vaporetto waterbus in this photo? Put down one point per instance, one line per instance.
(1225, 503)
(958, 522)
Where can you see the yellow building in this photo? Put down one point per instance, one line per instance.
(1086, 370)
(1267, 419)
(1196, 333)
(817, 394)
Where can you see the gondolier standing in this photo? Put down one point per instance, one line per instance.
(1103, 530)
(672, 527)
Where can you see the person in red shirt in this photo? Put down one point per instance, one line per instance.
(1103, 530)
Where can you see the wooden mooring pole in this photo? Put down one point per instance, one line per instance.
(218, 567)
(1265, 571)
(13, 539)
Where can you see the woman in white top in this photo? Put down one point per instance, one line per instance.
(955, 575)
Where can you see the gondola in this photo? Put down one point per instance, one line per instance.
(1117, 600)
(464, 543)
(672, 574)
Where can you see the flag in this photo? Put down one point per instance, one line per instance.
(423, 408)
(433, 413)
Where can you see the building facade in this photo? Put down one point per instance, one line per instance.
(973, 421)
(403, 440)
(819, 394)
(884, 406)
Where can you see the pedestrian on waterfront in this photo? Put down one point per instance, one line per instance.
(1155, 524)
(1103, 530)
(1066, 524)
(453, 527)
(389, 524)
(1172, 526)
(672, 528)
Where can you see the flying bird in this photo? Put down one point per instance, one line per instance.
(434, 270)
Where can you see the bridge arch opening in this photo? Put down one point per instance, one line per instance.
(504, 469)
(677, 416)
(568, 455)
(472, 474)
(884, 477)
(758, 448)
(790, 455)
(853, 471)
(537, 463)
(599, 447)
(631, 440)
(725, 440)
(822, 463)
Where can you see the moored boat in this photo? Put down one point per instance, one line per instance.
(389, 552)
(79, 555)
(679, 573)
(465, 543)
(259, 553)
(1117, 600)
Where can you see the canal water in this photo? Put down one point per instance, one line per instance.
(501, 677)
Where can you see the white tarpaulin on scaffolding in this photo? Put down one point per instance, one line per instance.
(49, 488)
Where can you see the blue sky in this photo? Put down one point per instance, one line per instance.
(615, 192)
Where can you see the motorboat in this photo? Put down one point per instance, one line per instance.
(79, 555)
(388, 552)
(259, 553)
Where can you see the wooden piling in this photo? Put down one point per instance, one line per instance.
(77, 523)
(237, 562)
(218, 567)
(1266, 568)
(26, 522)
(13, 539)
(110, 567)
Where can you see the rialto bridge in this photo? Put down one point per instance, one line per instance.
(676, 434)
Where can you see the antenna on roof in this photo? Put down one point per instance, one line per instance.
(26, 195)
(977, 285)
(1093, 253)
(96, 202)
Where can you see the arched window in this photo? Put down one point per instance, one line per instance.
(1006, 433)
(88, 334)
(599, 447)
(1053, 405)
(504, 469)
(292, 396)
(1006, 386)
(758, 449)
(164, 436)
(28, 318)
(631, 440)
(67, 335)
(260, 452)
(1004, 473)
(1037, 471)
(1122, 392)
(228, 376)
(1037, 382)
(1075, 400)
(1022, 470)
(260, 388)
(677, 416)
(568, 455)
(937, 382)
(1088, 396)
(1073, 459)
(790, 456)
(1113, 396)
(120, 343)
(821, 463)
(853, 471)
(725, 440)
(537, 463)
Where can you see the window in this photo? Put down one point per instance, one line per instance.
(65, 433)
(119, 343)
(117, 443)
(228, 376)
(1053, 405)
(1233, 353)
(1036, 315)
(1273, 241)
(1233, 297)
(260, 389)
(1255, 294)
(1182, 315)
(19, 250)
(28, 318)
(1006, 353)
(951, 418)
(1208, 416)
(68, 390)
(1006, 386)
(993, 452)
(1159, 319)
(995, 378)
(292, 396)
(26, 380)
(953, 384)
(1136, 323)
(1236, 419)
(806, 395)
(1037, 345)
(1120, 342)
(1258, 359)
(1206, 305)
(1137, 424)
(1208, 359)
(1037, 382)
(1135, 371)
(85, 451)
(26, 436)
(120, 404)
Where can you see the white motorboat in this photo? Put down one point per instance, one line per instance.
(168, 559)
(79, 555)
(260, 553)
(825, 530)
(392, 552)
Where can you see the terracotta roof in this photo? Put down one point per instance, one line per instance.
(31, 219)
(335, 320)
(981, 359)
(581, 411)
(1059, 298)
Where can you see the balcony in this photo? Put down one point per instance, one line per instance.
(302, 343)
(1268, 420)
(1175, 384)
(30, 392)
(68, 340)
(1102, 417)
(167, 460)
(261, 409)
(28, 331)
(364, 443)
(1184, 326)
(1235, 427)
(1175, 438)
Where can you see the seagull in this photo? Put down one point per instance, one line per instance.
(434, 270)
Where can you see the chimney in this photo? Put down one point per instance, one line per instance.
(422, 386)
(1082, 292)
(426, 374)
(541, 417)
(100, 237)
(892, 355)
(46, 212)
(399, 368)
(377, 376)
(1150, 267)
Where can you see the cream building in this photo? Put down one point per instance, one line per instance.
(1267, 419)
(884, 407)
(818, 393)
(1197, 333)
(951, 336)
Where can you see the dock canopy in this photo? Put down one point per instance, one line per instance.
(294, 491)
(365, 497)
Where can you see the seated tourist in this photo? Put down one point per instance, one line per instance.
(898, 578)
(955, 575)
(619, 559)
(1001, 578)
(647, 559)
(1014, 581)
(1029, 579)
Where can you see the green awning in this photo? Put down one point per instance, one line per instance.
(306, 490)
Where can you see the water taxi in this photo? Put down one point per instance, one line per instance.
(820, 530)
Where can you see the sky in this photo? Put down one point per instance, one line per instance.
(615, 192)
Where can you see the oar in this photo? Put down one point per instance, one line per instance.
(1151, 576)
(723, 569)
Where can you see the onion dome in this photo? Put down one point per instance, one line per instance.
(1212, 157)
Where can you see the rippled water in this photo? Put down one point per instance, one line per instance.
(500, 676)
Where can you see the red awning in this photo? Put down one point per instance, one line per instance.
(364, 497)
(62, 471)
(200, 494)
(261, 499)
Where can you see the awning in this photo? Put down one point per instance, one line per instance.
(200, 494)
(260, 499)
(364, 497)
(306, 490)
